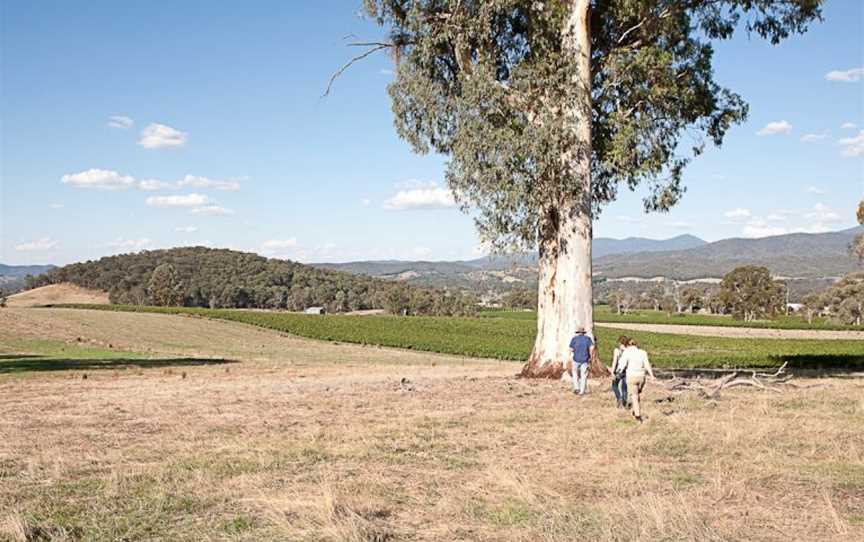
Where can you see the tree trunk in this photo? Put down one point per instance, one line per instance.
(565, 296)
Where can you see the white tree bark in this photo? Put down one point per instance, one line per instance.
(565, 300)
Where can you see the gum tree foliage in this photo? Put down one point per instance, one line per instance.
(483, 82)
(546, 109)
(750, 293)
(858, 244)
(165, 287)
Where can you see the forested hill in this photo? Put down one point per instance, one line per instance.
(206, 277)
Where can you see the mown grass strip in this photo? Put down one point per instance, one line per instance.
(606, 315)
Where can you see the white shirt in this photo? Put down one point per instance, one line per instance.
(636, 361)
(616, 359)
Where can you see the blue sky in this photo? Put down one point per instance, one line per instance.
(132, 125)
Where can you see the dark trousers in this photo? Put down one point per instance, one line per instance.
(619, 388)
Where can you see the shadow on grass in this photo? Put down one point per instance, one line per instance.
(19, 356)
(24, 363)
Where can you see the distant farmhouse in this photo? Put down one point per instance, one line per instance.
(315, 310)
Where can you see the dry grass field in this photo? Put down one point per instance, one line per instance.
(121, 426)
(54, 294)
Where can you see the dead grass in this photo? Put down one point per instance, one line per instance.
(312, 441)
(54, 294)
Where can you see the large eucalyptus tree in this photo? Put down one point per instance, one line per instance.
(546, 108)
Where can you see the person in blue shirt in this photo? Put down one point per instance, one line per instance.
(582, 348)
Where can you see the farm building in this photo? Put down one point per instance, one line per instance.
(315, 310)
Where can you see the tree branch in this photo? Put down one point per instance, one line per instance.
(375, 47)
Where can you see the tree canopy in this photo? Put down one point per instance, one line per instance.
(749, 292)
(487, 83)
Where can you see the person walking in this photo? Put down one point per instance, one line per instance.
(619, 380)
(638, 367)
(582, 348)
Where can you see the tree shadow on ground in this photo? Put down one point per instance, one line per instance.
(24, 362)
(805, 365)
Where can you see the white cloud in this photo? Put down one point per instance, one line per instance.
(848, 126)
(274, 244)
(100, 179)
(738, 213)
(38, 245)
(154, 184)
(420, 196)
(190, 243)
(847, 76)
(817, 227)
(776, 127)
(759, 230)
(121, 122)
(385, 71)
(365, 202)
(195, 181)
(186, 229)
(822, 213)
(628, 219)
(56, 206)
(814, 190)
(157, 136)
(421, 252)
(775, 217)
(853, 146)
(813, 138)
(122, 244)
(212, 210)
(186, 200)
(679, 225)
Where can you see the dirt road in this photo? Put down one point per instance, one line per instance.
(740, 332)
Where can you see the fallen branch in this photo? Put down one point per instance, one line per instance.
(711, 389)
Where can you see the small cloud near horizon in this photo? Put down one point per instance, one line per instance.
(37, 245)
(416, 195)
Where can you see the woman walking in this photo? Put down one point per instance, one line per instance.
(638, 367)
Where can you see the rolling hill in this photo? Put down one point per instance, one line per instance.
(798, 255)
(12, 276)
(207, 277)
(795, 255)
(602, 246)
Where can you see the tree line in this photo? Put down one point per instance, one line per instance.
(746, 293)
(221, 278)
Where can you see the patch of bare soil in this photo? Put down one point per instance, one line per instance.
(740, 332)
(307, 440)
(55, 294)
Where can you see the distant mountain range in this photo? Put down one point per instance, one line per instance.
(795, 255)
(12, 276)
(686, 257)
(602, 246)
